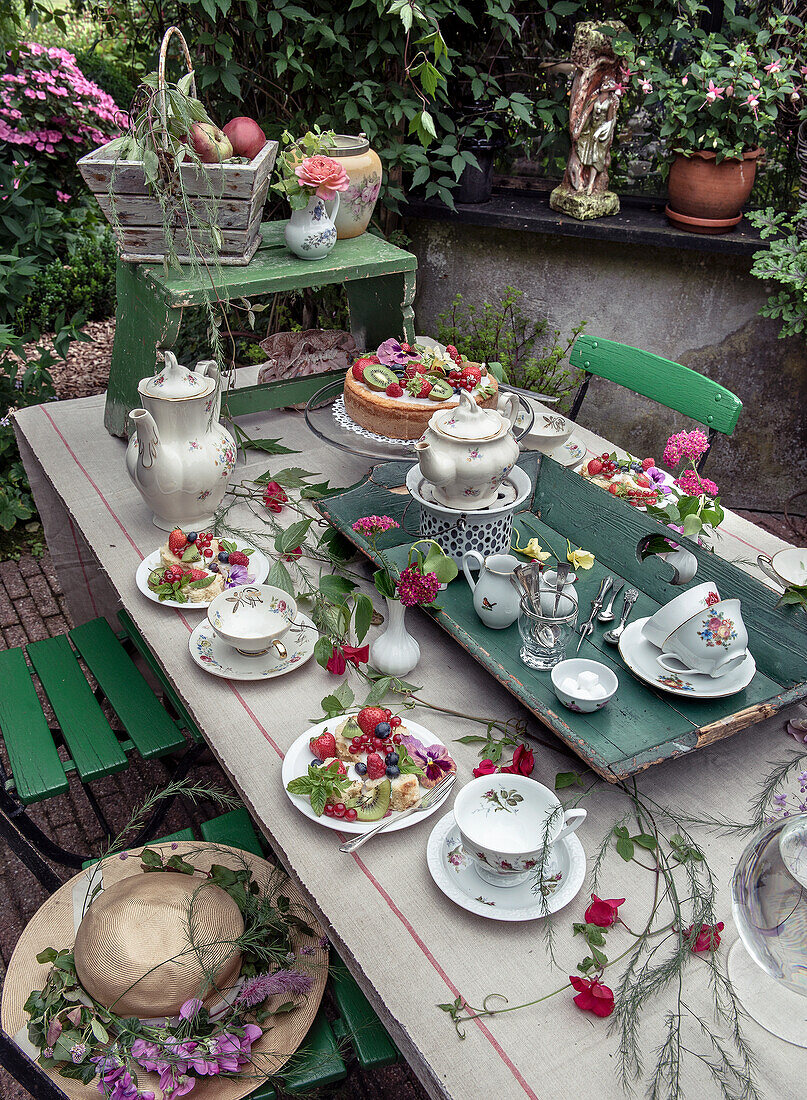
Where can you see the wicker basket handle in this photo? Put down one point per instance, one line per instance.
(161, 82)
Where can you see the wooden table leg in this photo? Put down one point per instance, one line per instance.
(381, 307)
(144, 323)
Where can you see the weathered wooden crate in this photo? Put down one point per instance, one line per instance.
(234, 193)
(640, 726)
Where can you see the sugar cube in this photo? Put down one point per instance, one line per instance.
(598, 692)
(569, 685)
(588, 679)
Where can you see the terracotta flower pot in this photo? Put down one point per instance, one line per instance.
(707, 197)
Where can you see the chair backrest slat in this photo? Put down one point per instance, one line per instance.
(671, 384)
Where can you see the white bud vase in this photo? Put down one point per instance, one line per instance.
(311, 233)
(395, 652)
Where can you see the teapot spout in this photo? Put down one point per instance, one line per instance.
(147, 438)
(435, 468)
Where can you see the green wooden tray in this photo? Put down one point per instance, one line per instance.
(640, 726)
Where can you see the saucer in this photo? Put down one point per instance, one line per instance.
(456, 876)
(258, 570)
(220, 659)
(640, 656)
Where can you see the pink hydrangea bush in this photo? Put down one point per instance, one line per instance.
(51, 112)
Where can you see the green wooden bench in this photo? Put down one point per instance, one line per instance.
(670, 384)
(81, 741)
(326, 1046)
(379, 279)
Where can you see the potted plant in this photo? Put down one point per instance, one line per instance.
(717, 110)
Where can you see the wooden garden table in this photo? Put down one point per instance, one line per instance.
(379, 280)
(406, 944)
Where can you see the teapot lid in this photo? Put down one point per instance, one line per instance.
(173, 382)
(468, 421)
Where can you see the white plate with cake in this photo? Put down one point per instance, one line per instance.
(188, 573)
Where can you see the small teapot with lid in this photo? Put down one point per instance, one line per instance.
(180, 457)
(467, 452)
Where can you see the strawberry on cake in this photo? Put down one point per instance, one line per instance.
(396, 391)
(195, 567)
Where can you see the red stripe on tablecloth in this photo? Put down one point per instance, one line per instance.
(427, 953)
(81, 563)
(424, 949)
(98, 491)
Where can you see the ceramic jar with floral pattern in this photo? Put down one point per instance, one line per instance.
(363, 166)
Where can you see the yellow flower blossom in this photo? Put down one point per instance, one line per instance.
(532, 550)
(580, 559)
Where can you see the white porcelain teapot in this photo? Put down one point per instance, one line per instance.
(180, 457)
(467, 452)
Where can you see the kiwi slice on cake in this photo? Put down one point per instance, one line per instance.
(378, 377)
(190, 553)
(350, 729)
(372, 803)
(441, 389)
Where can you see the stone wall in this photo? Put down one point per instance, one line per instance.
(699, 308)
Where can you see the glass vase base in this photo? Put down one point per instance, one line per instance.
(772, 1005)
(533, 660)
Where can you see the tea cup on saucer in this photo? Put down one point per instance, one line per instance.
(669, 617)
(252, 618)
(714, 641)
(506, 822)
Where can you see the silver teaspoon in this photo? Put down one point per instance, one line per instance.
(613, 636)
(607, 613)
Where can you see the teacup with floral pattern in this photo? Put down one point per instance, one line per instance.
(713, 642)
(507, 822)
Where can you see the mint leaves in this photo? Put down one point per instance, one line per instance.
(321, 785)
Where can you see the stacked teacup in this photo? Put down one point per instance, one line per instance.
(698, 632)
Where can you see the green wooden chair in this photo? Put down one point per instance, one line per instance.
(355, 1031)
(81, 742)
(671, 384)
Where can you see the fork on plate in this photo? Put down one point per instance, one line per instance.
(427, 801)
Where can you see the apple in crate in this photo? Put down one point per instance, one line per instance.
(246, 136)
(210, 143)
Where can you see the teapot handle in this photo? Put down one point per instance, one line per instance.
(508, 405)
(207, 367)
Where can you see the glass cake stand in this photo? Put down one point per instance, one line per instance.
(327, 418)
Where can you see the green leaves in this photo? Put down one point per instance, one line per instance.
(626, 844)
(338, 702)
(280, 577)
(567, 779)
(320, 785)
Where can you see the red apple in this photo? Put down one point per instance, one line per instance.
(246, 136)
(210, 143)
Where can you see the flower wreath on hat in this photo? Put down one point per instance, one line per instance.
(80, 1038)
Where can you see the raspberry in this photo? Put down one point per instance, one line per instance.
(394, 390)
(177, 542)
(470, 371)
(323, 746)
(414, 368)
(452, 351)
(595, 467)
(238, 557)
(376, 768)
(647, 463)
(368, 718)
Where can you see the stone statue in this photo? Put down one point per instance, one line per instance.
(583, 192)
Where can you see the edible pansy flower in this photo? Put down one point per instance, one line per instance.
(391, 354)
(433, 759)
(603, 911)
(592, 996)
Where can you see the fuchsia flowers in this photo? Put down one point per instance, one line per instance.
(48, 103)
(707, 939)
(603, 911)
(592, 995)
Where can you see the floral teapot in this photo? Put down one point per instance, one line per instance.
(467, 452)
(180, 457)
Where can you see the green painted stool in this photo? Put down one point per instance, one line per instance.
(378, 277)
(321, 1061)
(42, 757)
(662, 380)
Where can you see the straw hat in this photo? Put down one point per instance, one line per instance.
(136, 931)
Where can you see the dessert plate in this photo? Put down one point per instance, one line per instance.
(640, 656)
(327, 418)
(258, 569)
(219, 659)
(299, 756)
(456, 876)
